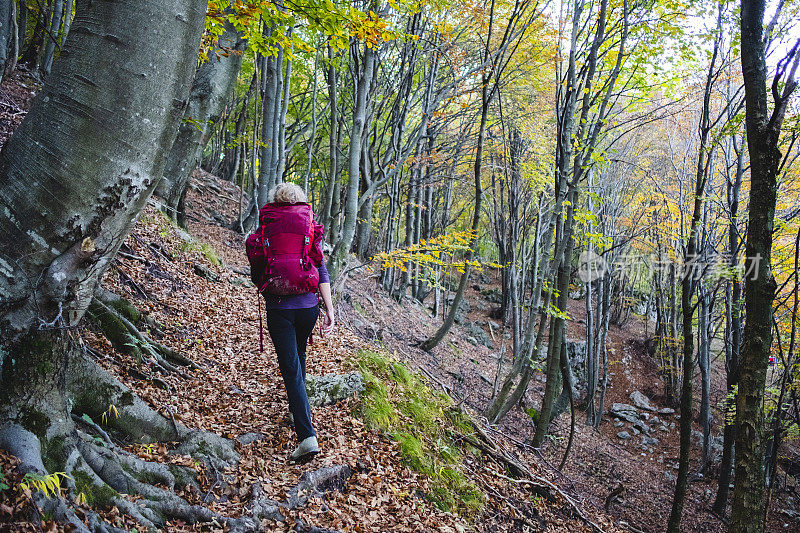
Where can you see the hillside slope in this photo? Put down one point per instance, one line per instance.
(195, 289)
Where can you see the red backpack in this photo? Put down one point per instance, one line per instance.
(285, 254)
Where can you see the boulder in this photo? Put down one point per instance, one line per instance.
(624, 435)
(494, 296)
(478, 334)
(330, 388)
(624, 412)
(463, 308)
(641, 401)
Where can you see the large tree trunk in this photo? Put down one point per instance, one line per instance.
(210, 91)
(763, 131)
(73, 178)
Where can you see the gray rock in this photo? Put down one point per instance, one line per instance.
(636, 431)
(494, 296)
(669, 476)
(641, 426)
(624, 435)
(619, 424)
(650, 441)
(478, 334)
(655, 420)
(250, 438)
(330, 388)
(463, 309)
(625, 412)
(641, 401)
(240, 281)
(666, 411)
(206, 273)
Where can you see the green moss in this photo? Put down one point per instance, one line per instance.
(413, 452)
(96, 496)
(533, 413)
(126, 399)
(114, 330)
(183, 475)
(54, 455)
(203, 248)
(35, 421)
(210, 254)
(126, 309)
(399, 403)
(147, 477)
(358, 307)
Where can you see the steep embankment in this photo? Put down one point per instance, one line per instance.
(625, 467)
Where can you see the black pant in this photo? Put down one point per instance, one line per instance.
(289, 330)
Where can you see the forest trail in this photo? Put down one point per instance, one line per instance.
(238, 392)
(195, 286)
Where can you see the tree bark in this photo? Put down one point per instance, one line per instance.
(101, 136)
(763, 130)
(213, 83)
(344, 244)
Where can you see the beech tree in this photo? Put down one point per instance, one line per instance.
(73, 179)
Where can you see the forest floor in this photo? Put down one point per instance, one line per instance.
(237, 392)
(599, 461)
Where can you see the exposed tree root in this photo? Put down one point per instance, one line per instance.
(55, 436)
(120, 321)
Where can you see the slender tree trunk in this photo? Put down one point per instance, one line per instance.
(688, 287)
(344, 244)
(53, 36)
(733, 337)
(763, 131)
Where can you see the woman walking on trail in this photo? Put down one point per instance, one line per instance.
(288, 268)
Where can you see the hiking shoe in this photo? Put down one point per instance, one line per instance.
(306, 450)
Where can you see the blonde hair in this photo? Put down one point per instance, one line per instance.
(287, 193)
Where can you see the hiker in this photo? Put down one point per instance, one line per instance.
(288, 268)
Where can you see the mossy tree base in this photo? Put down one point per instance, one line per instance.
(120, 322)
(38, 413)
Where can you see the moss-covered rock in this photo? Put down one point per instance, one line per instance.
(330, 388)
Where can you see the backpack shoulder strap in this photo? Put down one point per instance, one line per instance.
(309, 237)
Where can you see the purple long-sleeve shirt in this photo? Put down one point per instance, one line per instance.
(298, 301)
